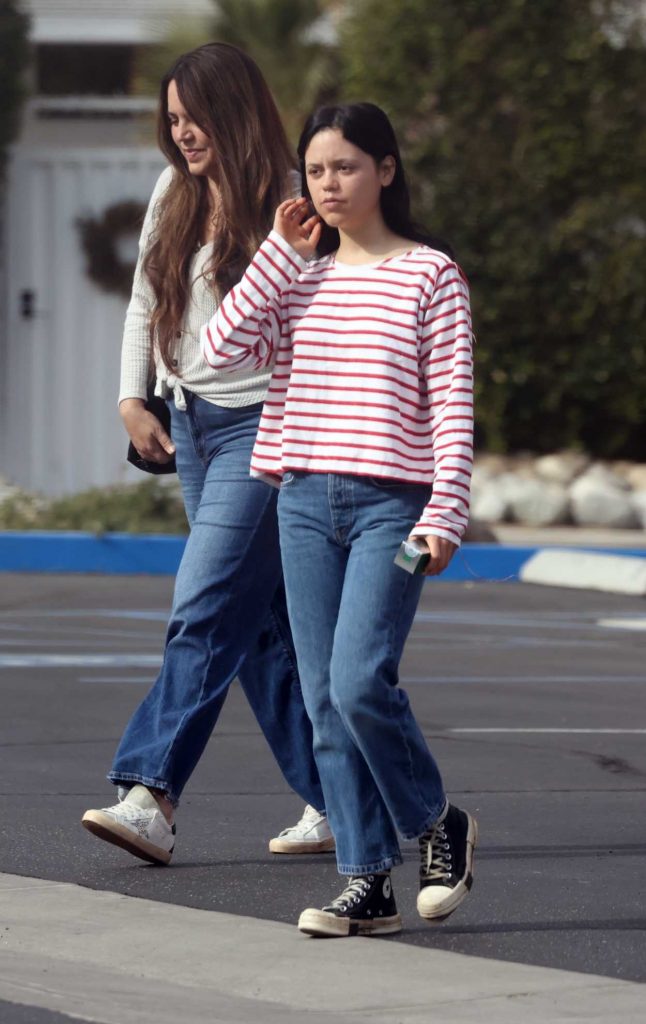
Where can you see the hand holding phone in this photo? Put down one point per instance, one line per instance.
(412, 556)
(428, 555)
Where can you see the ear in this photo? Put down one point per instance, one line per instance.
(387, 169)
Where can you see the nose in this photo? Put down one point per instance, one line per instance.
(185, 131)
(330, 182)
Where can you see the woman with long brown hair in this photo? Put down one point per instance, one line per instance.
(230, 164)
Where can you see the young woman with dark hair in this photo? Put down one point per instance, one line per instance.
(230, 164)
(367, 127)
(367, 428)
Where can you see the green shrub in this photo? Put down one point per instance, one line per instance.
(523, 127)
(149, 507)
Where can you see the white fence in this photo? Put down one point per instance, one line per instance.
(59, 364)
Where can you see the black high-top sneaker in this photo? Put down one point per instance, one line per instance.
(365, 907)
(446, 855)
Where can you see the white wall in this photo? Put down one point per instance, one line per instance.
(59, 427)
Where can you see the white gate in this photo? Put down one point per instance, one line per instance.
(60, 431)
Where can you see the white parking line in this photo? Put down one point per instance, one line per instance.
(567, 732)
(144, 614)
(632, 623)
(567, 620)
(143, 661)
(80, 660)
(116, 679)
(88, 642)
(14, 629)
(521, 680)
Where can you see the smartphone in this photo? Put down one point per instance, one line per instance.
(412, 556)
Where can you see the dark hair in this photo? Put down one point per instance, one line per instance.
(366, 125)
(224, 92)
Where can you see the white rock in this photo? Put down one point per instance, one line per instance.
(493, 499)
(561, 467)
(538, 503)
(603, 476)
(552, 489)
(512, 485)
(480, 476)
(595, 502)
(523, 465)
(635, 475)
(493, 464)
(489, 504)
(638, 499)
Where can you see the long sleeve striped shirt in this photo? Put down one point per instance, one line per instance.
(372, 370)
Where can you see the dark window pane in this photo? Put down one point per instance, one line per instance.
(81, 70)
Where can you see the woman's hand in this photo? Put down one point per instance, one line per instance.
(145, 431)
(440, 550)
(302, 234)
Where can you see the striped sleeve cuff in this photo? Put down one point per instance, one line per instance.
(282, 263)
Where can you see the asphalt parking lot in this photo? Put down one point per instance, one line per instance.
(533, 699)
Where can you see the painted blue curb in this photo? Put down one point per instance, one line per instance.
(87, 552)
(118, 553)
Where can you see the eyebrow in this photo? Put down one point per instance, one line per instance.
(342, 160)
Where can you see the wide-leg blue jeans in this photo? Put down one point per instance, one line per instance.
(351, 610)
(228, 619)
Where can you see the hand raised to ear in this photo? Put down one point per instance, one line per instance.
(303, 233)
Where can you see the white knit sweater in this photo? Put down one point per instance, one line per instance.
(192, 372)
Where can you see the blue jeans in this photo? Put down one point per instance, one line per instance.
(351, 610)
(228, 619)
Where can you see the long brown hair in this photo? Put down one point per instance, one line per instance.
(224, 92)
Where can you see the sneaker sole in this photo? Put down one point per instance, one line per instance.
(315, 846)
(103, 827)
(461, 890)
(322, 925)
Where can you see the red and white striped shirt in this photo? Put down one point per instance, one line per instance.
(372, 370)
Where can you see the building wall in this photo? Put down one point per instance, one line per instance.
(59, 427)
(77, 154)
(130, 21)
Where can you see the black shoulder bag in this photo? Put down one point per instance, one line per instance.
(159, 408)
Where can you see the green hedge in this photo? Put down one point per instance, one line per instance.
(149, 507)
(524, 131)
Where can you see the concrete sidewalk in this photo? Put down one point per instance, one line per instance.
(568, 536)
(114, 959)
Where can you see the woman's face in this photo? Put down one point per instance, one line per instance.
(194, 145)
(344, 182)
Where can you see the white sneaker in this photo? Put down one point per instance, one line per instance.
(137, 825)
(309, 835)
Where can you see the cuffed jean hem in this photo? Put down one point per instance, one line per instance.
(430, 821)
(119, 778)
(371, 869)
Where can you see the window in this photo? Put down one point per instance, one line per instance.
(82, 70)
